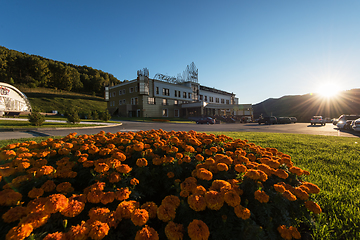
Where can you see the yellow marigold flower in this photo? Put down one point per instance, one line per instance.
(166, 212)
(198, 230)
(174, 231)
(35, 219)
(222, 167)
(279, 188)
(73, 209)
(64, 187)
(312, 187)
(78, 232)
(289, 196)
(55, 236)
(151, 208)
(214, 200)
(313, 207)
(124, 168)
(147, 233)
(35, 192)
(261, 196)
(197, 202)
(122, 194)
(19, 232)
(140, 217)
(126, 208)
(14, 214)
(232, 198)
(134, 181)
(9, 197)
(98, 230)
(141, 162)
(242, 212)
(204, 174)
(281, 173)
(56, 203)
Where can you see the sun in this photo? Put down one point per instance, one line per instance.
(328, 90)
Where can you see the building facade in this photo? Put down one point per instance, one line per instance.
(12, 100)
(145, 97)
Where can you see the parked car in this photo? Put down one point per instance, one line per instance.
(283, 120)
(356, 125)
(207, 120)
(293, 119)
(267, 120)
(334, 121)
(344, 118)
(317, 120)
(348, 124)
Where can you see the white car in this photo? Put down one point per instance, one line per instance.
(345, 118)
(317, 120)
(356, 125)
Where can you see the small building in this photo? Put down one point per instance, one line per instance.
(145, 97)
(12, 100)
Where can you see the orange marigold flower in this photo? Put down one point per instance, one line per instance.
(174, 231)
(296, 170)
(147, 233)
(14, 214)
(187, 159)
(261, 196)
(94, 196)
(36, 205)
(35, 192)
(214, 200)
(19, 232)
(289, 196)
(122, 194)
(220, 186)
(179, 155)
(35, 219)
(134, 181)
(98, 230)
(198, 230)
(48, 186)
(199, 157)
(124, 168)
(98, 214)
(281, 173)
(285, 233)
(139, 217)
(73, 209)
(189, 148)
(151, 208)
(64, 187)
(101, 167)
(199, 190)
(126, 208)
(242, 212)
(78, 232)
(232, 198)
(55, 236)
(222, 167)
(204, 174)
(214, 149)
(119, 155)
(170, 175)
(107, 197)
(114, 177)
(141, 162)
(294, 232)
(197, 202)
(189, 184)
(171, 199)
(252, 174)
(166, 212)
(241, 168)
(313, 207)
(300, 193)
(279, 188)
(56, 203)
(312, 187)
(9, 197)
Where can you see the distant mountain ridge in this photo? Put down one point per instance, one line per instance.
(303, 107)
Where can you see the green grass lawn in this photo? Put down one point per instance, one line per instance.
(334, 166)
(10, 124)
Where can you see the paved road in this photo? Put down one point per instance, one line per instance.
(298, 128)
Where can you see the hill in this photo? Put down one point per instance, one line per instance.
(303, 107)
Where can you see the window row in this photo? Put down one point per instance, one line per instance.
(211, 99)
(123, 91)
(133, 101)
(177, 93)
(152, 101)
(165, 112)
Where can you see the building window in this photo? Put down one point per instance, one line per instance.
(176, 113)
(189, 94)
(164, 101)
(179, 94)
(113, 103)
(131, 90)
(166, 91)
(184, 94)
(217, 100)
(136, 88)
(175, 93)
(222, 101)
(211, 99)
(124, 101)
(205, 98)
(227, 101)
(124, 91)
(134, 101)
(201, 97)
(119, 92)
(151, 100)
(113, 94)
(165, 112)
(176, 102)
(157, 90)
(120, 102)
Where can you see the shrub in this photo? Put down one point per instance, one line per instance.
(95, 115)
(152, 185)
(72, 116)
(105, 116)
(36, 119)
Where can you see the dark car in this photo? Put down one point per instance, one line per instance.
(267, 120)
(283, 120)
(293, 119)
(207, 120)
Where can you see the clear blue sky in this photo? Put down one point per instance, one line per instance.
(256, 49)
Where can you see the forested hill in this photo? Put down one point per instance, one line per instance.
(303, 107)
(25, 70)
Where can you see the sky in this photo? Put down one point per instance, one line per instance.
(257, 49)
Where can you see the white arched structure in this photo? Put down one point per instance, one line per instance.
(12, 100)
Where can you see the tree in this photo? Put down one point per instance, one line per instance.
(36, 119)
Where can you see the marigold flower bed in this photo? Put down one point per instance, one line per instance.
(151, 185)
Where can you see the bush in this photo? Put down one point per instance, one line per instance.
(36, 119)
(105, 116)
(72, 116)
(95, 115)
(154, 184)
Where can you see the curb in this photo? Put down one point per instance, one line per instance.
(56, 128)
